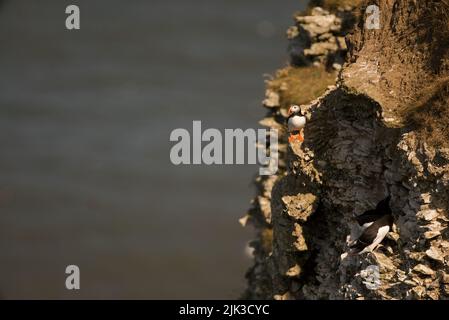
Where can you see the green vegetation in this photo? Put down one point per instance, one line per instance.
(300, 85)
(432, 118)
(333, 5)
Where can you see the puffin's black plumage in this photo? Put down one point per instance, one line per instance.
(375, 225)
(368, 216)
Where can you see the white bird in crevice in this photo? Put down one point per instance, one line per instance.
(295, 122)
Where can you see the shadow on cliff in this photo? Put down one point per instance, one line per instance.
(349, 146)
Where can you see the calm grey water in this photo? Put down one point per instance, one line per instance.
(85, 119)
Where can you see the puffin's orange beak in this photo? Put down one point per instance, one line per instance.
(290, 111)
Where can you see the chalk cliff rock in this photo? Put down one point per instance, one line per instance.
(378, 128)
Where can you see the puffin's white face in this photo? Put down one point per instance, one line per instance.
(293, 109)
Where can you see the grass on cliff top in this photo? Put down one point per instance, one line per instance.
(333, 5)
(300, 85)
(432, 117)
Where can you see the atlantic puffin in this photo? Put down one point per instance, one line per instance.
(375, 225)
(295, 122)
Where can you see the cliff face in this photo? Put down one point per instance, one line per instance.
(379, 130)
